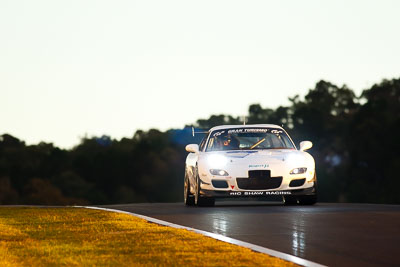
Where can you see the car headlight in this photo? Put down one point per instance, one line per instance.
(298, 170)
(217, 161)
(218, 172)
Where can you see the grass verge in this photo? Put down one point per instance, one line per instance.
(78, 236)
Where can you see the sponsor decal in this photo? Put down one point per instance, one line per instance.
(255, 130)
(248, 130)
(260, 193)
(276, 131)
(218, 133)
(258, 165)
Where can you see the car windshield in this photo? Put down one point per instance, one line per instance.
(248, 139)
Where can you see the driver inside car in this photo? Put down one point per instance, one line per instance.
(230, 142)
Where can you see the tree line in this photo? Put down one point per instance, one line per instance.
(355, 139)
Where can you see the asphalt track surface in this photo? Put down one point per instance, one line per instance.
(329, 234)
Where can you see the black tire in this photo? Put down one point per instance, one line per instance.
(188, 197)
(308, 200)
(312, 199)
(303, 200)
(206, 202)
(199, 200)
(289, 200)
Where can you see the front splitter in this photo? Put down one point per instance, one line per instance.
(254, 193)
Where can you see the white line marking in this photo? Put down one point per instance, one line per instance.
(223, 238)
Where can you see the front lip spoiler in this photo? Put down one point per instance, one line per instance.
(254, 193)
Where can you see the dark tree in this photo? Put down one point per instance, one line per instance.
(355, 148)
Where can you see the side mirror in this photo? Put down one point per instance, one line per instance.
(194, 148)
(305, 145)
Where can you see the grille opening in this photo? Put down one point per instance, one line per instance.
(219, 184)
(259, 183)
(297, 182)
(260, 174)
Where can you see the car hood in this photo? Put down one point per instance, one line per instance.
(285, 156)
(271, 153)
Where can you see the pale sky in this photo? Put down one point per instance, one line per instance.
(70, 68)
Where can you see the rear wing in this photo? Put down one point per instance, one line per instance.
(198, 132)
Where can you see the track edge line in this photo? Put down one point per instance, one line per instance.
(220, 237)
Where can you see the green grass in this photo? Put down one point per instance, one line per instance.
(85, 237)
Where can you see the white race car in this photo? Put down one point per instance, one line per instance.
(249, 161)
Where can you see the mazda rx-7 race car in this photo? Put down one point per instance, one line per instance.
(249, 161)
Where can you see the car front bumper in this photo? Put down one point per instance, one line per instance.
(258, 193)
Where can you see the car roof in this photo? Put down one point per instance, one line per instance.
(221, 127)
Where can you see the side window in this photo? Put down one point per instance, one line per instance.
(203, 143)
(210, 144)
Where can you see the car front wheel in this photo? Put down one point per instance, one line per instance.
(201, 200)
(188, 197)
(308, 200)
(311, 199)
(289, 200)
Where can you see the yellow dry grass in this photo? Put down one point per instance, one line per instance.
(85, 237)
